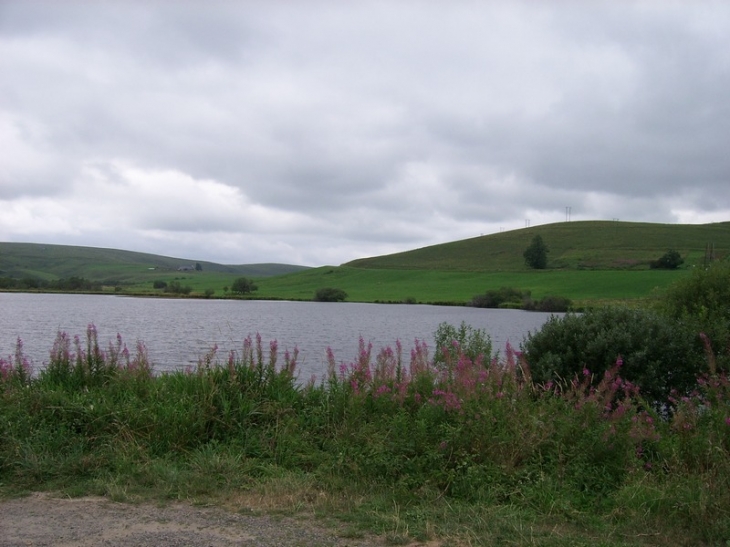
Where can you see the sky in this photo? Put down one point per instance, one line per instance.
(319, 132)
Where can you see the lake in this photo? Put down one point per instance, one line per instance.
(178, 332)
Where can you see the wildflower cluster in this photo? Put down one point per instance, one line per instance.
(16, 367)
(84, 362)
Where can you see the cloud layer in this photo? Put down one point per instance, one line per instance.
(320, 132)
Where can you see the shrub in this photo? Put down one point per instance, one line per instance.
(702, 301)
(508, 297)
(159, 284)
(504, 297)
(475, 344)
(552, 304)
(671, 260)
(658, 354)
(329, 294)
(243, 285)
(175, 287)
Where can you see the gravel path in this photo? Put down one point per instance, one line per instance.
(42, 520)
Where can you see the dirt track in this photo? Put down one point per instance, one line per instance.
(42, 520)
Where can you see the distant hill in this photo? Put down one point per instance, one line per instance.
(599, 245)
(49, 262)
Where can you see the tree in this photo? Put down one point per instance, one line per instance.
(198, 267)
(536, 254)
(243, 285)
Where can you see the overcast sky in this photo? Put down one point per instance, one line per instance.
(320, 132)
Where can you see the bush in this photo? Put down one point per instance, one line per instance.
(504, 297)
(159, 284)
(466, 340)
(671, 260)
(243, 285)
(702, 301)
(508, 297)
(550, 304)
(658, 354)
(175, 287)
(329, 294)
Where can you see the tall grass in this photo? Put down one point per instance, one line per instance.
(444, 444)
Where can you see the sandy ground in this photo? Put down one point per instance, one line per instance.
(43, 520)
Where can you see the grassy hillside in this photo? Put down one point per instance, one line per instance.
(589, 262)
(573, 245)
(48, 262)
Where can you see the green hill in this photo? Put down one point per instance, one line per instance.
(589, 262)
(48, 262)
(593, 245)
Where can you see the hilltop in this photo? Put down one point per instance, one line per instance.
(41, 261)
(593, 245)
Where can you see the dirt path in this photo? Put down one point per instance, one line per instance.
(42, 520)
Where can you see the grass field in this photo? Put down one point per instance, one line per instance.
(425, 286)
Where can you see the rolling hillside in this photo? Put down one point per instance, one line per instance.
(589, 245)
(589, 262)
(49, 262)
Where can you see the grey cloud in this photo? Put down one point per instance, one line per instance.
(348, 129)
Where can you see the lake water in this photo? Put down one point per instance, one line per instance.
(178, 332)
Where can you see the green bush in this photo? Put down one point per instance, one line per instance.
(671, 260)
(702, 301)
(552, 304)
(329, 294)
(175, 287)
(509, 297)
(504, 297)
(658, 354)
(243, 285)
(466, 340)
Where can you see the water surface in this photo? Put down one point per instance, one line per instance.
(178, 332)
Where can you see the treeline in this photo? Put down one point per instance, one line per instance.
(73, 283)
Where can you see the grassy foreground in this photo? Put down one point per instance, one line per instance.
(398, 444)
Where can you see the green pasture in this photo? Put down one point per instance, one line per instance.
(425, 286)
